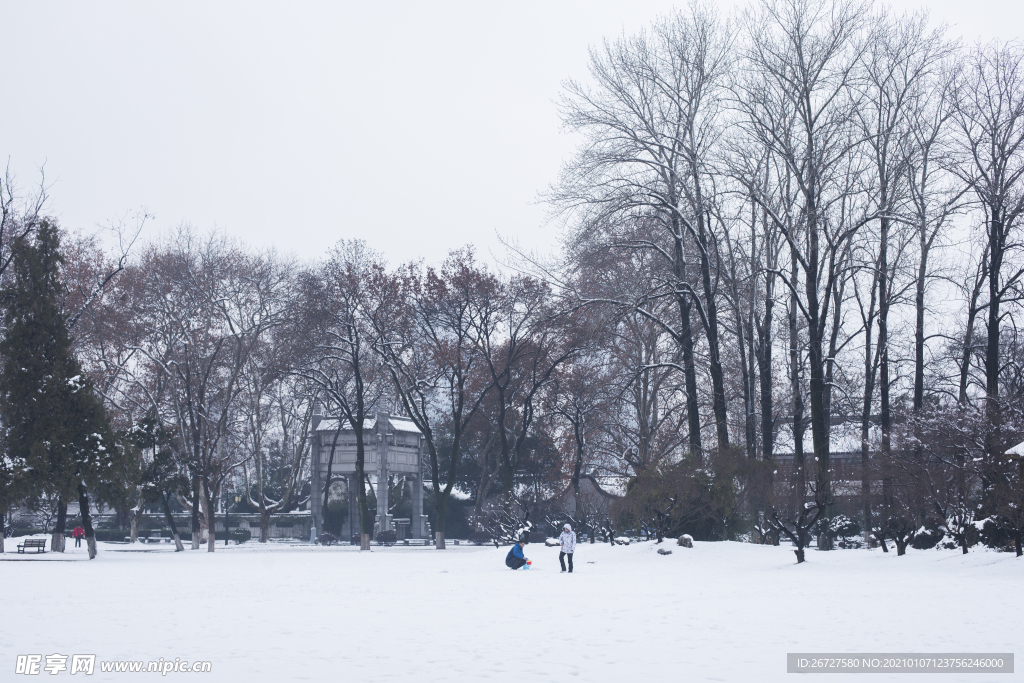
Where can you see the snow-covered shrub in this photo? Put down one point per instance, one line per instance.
(840, 528)
(926, 538)
(686, 540)
(509, 522)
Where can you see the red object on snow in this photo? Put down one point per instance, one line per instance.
(79, 532)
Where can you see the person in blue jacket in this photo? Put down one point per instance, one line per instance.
(515, 558)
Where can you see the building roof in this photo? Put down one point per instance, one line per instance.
(397, 424)
(1016, 450)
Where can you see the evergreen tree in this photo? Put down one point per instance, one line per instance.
(53, 420)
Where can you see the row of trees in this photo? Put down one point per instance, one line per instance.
(211, 359)
(811, 209)
(780, 226)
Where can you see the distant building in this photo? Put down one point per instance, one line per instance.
(391, 445)
(844, 446)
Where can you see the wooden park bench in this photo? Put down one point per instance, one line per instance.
(38, 543)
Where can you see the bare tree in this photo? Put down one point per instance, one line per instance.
(339, 358)
(989, 101)
(208, 304)
(652, 126)
(426, 326)
(799, 101)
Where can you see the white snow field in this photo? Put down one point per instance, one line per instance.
(717, 612)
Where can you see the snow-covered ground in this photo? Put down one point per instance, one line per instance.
(721, 611)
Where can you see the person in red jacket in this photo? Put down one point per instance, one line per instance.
(78, 534)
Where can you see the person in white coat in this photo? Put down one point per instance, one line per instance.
(568, 540)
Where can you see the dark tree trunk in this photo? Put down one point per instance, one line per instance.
(800, 473)
(870, 368)
(686, 344)
(718, 402)
(442, 504)
(364, 514)
(922, 273)
(57, 539)
(884, 292)
(577, 468)
(83, 506)
(994, 296)
(196, 528)
(264, 525)
(992, 409)
(178, 547)
(965, 361)
(211, 521)
(763, 353)
(744, 339)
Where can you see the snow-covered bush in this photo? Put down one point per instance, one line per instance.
(840, 528)
(926, 538)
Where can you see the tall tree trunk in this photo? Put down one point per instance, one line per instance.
(763, 353)
(264, 525)
(439, 522)
(922, 274)
(364, 514)
(994, 296)
(718, 402)
(744, 337)
(211, 523)
(884, 384)
(57, 538)
(800, 473)
(178, 547)
(870, 367)
(992, 408)
(196, 527)
(134, 525)
(83, 506)
(577, 468)
(686, 342)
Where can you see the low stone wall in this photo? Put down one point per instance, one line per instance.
(281, 526)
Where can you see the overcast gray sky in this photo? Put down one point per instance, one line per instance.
(419, 126)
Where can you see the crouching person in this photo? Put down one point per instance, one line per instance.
(568, 539)
(515, 558)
